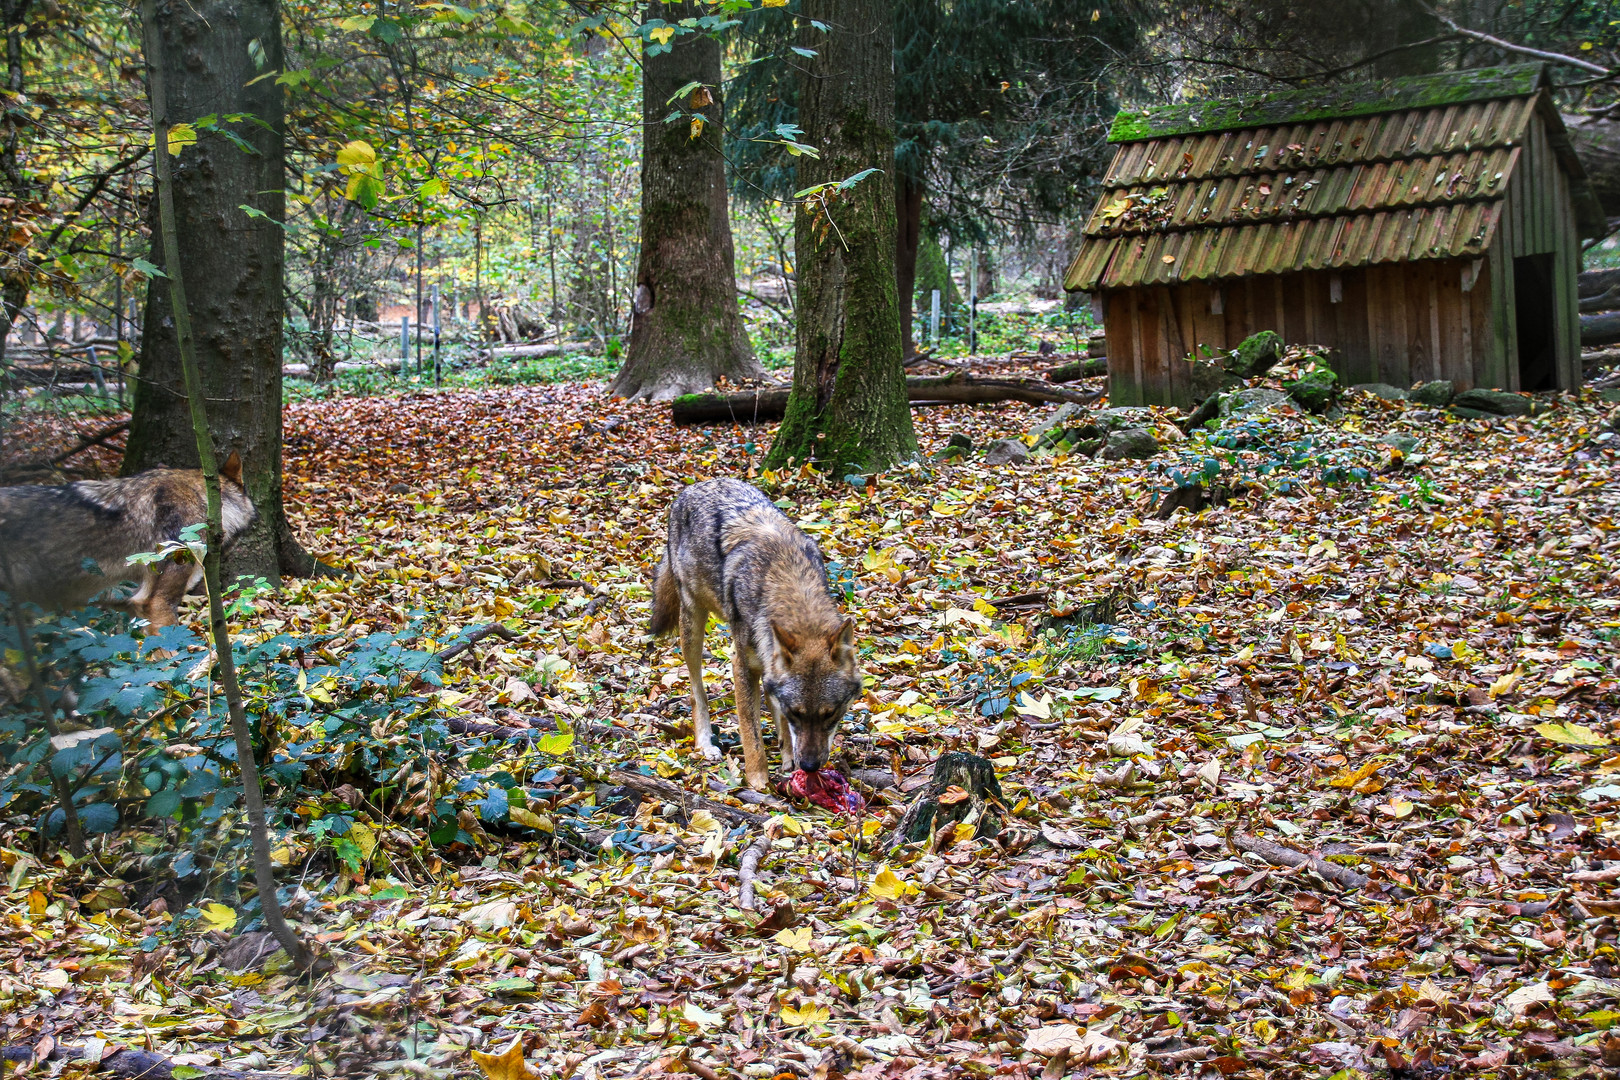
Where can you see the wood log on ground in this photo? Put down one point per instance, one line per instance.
(674, 793)
(1597, 144)
(126, 1064)
(1600, 358)
(1078, 369)
(550, 348)
(1596, 282)
(770, 403)
(1603, 329)
(1604, 301)
(964, 788)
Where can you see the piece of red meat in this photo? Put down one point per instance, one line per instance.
(826, 788)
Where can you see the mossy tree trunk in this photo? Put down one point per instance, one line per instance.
(214, 52)
(848, 410)
(686, 331)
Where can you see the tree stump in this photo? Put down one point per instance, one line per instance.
(936, 806)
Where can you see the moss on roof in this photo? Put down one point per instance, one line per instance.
(1326, 102)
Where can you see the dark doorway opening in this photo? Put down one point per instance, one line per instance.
(1533, 305)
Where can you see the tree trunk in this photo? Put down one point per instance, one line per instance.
(848, 408)
(685, 331)
(908, 201)
(234, 263)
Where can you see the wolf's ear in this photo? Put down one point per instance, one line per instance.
(844, 635)
(232, 469)
(788, 640)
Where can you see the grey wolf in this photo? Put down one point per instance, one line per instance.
(50, 537)
(732, 553)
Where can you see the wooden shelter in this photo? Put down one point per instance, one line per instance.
(1420, 228)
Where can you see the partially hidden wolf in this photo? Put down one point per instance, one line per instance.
(733, 553)
(48, 534)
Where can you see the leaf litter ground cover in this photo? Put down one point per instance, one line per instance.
(1411, 678)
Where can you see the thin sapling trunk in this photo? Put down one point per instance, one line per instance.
(252, 793)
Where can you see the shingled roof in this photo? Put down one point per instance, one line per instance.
(1388, 171)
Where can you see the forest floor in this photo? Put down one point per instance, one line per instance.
(1413, 677)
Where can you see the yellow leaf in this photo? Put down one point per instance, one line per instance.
(1506, 683)
(797, 940)
(1572, 734)
(805, 1015)
(1351, 777)
(356, 155)
(773, 3)
(703, 821)
(1116, 208)
(506, 1065)
(531, 819)
(218, 916)
(887, 886)
(180, 137)
(364, 839)
(793, 826)
(696, 128)
(661, 34)
(870, 828)
(361, 23)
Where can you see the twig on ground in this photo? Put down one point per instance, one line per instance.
(674, 793)
(748, 869)
(98, 439)
(1277, 855)
(493, 629)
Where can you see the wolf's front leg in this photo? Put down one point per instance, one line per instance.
(755, 765)
(692, 624)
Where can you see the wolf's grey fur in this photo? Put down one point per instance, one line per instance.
(731, 552)
(48, 533)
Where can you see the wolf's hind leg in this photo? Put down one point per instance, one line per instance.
(692, 624)
(755, 765)
(160, 607)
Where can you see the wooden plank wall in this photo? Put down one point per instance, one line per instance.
(1400, 323)
(1538, 218)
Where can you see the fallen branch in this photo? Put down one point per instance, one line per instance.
(674, 793)
(748, 870)
(496, 629)
(770, 403)
(1078, 369)
(459, 726)
(135, 1064)
(1028, 599)
(98, 439)
(1277, 855)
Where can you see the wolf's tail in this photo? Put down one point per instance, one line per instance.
(666, 606)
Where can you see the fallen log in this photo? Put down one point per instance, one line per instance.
(1600, 358)
(550, 348)
(1078, 369)
(770, 403)
(674, 793)
(1605, 301)
(1603, 329)
(1596, 282)
(127, 1064)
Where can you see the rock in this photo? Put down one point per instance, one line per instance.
(1383, 390)
(1131, 442)
(1316, 391)
(1406, 444)
(398, 489)
(1436, 394)
(1006, 452)
(1207, 411)
(1256, 399)
(1206, 379)
(1493, 402)
(1255, 355)
(957, 446)
(1123, 417)
(1056, 420)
